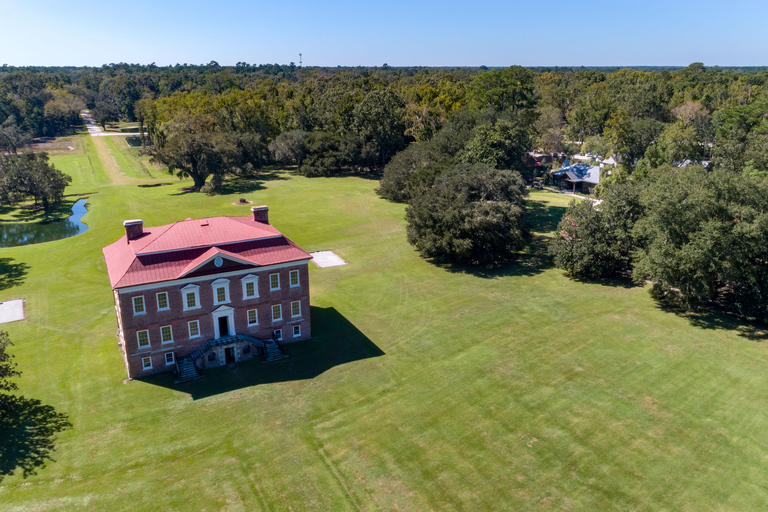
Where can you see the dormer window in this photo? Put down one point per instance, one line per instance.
(250, 286)
(190, 296)
(220, 291)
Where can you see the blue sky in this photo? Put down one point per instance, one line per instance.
(400, 33)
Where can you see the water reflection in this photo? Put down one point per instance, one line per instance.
(12, 235)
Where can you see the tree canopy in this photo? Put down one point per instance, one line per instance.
(473, 214)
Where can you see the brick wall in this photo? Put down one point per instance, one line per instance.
(153, 319)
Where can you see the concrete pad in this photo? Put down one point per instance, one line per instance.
(12, 311)
(325, 259)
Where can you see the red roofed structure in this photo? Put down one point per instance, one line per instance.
(204, 292)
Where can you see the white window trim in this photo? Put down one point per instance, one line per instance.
(270, 282)
(295, 334)
(143, 305)
(250, 278)
(248, 318)
(144, 358)
(298, 281)
(173, 358)
(280, 308)
(161, 334)
(149, 340)
(280, 336)
(295, 302)
(218, 284)
(187, 289)
(167, 301)
(189, 329)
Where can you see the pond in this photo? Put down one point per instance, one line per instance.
(12, 235)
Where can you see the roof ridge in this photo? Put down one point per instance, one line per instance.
(167, 228)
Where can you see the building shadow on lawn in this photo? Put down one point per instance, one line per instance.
(12, 274)
(28, 431)
(336, 341)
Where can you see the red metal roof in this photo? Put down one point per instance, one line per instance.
(172, 251)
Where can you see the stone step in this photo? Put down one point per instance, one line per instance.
(187, 371)
(272, 353)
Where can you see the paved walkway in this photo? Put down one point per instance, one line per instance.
(325, 259)
(12, 311)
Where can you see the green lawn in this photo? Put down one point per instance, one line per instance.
(425, 387)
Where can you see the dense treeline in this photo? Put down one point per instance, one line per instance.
(698, 236)
(414, 125)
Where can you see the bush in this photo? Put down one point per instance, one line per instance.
(473, 214)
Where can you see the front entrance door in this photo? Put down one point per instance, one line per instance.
(229, 354)
(223, 326)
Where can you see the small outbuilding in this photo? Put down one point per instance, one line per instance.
(579, 177)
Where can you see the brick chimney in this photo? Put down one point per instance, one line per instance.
(260, 214)
(133, 229)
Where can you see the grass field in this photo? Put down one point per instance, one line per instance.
(425, 387)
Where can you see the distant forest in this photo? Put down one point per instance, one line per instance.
(204, 121)
(686, 207)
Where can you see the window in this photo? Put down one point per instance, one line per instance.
(253, 318)
(296, 308)
(220, 291)
(143, 338)
(166, 334)
(146, 363)
(212, 356)
(277, 312)
(169, 359)
(194, 329)
(296, 331)
(138, 305)
(277, 334)
(162, 301)
(294, 278)
(247, 349)
(191, 296)
(250, 286)
(274, 281)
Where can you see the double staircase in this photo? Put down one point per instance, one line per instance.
(187, 371)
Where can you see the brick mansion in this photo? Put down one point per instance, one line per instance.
(200, 293)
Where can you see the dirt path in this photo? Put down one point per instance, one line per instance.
(111, 168)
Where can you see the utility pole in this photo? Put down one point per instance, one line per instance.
(299, 60)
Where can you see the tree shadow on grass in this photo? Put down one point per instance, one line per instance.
(12, 274)
(336, 341)
(614, 282)
(35, 213)
(713, 318)
(28, 430)
(241, 184)
(543, 218)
